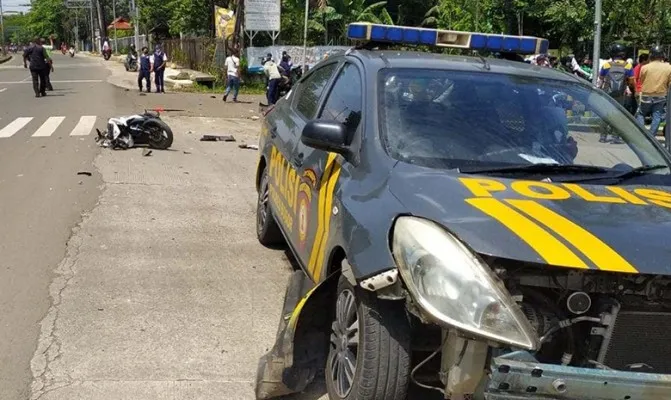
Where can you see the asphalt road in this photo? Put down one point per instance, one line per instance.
(41, 194)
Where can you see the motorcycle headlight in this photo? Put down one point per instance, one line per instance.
(454, 287)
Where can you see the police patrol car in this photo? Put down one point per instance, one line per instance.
(460, 227)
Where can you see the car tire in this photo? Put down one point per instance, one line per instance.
(382, 360)
(267, 230)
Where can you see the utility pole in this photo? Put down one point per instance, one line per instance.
(2, 30)
(114, 22)
(93, 32)
(305, 35)
(597, 42)
(136, 24)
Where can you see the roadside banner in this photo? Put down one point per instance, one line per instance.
(224, 21)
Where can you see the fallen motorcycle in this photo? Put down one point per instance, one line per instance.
(126, 132)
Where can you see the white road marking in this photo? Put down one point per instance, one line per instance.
(3, 89)
(14, 126)
(26, 78)
(72, 81)
(84, 126)
(49, 127)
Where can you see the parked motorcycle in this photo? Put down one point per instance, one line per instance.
(131, 63)
(147, 128)
(285, 85)
(107, 54)
(72, 51)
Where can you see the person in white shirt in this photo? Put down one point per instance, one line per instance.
(158, 61)
(274, 77)
(232, 75)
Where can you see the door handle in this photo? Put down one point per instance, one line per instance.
(297, 160)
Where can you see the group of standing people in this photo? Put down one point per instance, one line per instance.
(148, 63)
(642, 88)
(38, 58)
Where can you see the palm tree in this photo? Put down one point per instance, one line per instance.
(333, 16)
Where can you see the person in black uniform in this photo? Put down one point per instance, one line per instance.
(145, 69)
(39, 62)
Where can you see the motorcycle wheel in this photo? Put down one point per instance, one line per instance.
(159, 134)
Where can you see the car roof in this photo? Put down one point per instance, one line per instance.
(378, 59)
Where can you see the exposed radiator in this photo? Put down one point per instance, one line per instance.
(640, 338)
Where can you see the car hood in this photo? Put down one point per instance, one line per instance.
(615, 228)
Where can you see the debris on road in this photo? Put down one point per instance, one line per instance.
(84, 173)
(249, 146)
(146, 152)
(217, 138)
(186, 152)
(254, 117)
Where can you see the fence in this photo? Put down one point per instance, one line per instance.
(200, 54)
(124, 43)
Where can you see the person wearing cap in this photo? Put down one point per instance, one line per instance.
(274, 77)
(655, 81)
(615, 78)
(158, 62)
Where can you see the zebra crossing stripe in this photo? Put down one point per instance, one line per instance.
(49, 127)
(14, 126)
(84, 126)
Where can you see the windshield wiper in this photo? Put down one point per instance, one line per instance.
(621, 176)
(542, 168)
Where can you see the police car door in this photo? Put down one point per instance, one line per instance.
(285, 164)
(321, 172)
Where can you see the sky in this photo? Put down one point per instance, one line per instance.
(14, 5)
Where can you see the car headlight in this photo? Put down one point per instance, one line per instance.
(454, 287)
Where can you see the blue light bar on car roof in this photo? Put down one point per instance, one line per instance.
(363, 31)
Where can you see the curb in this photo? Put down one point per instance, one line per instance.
(2, 61)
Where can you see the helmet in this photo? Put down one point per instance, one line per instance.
(657, 52)
(132, 46)
(618, 50)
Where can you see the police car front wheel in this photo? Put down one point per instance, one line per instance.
(369, 349)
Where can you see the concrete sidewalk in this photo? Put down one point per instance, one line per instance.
(129, 80)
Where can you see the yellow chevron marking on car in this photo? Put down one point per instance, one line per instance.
(551, 249)
(323, 186)
(602, 255)
(293, 321)
(327, 221)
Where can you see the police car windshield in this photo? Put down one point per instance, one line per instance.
(454, 119)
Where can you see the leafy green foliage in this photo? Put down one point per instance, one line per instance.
(567, 23)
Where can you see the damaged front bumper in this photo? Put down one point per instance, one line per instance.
(518, 376)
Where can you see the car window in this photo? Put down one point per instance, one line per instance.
(343, 103)
(452, 119)
(311, 89)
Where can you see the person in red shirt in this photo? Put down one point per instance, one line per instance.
(642, 60)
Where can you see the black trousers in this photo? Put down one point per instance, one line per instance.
(39, 80)
(158, 79)
(48, 79)
(146, 76)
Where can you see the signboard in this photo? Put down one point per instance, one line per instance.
(262, 6)
(262, 22)
(78, 3)
(224, 22)
(262, 15)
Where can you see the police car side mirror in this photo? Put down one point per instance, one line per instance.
(329, 136)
